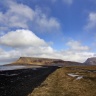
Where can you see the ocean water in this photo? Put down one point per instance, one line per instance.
(14, 67)
(2, 68)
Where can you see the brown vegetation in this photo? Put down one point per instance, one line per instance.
(60, 83)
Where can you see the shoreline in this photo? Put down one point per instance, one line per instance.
(22, 81)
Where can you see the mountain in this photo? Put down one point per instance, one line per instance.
(44, 61)
(91, 61)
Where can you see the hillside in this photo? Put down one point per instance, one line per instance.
(91, 61)
(44, 61)
(69, 81)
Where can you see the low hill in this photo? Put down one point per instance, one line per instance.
(44, 61)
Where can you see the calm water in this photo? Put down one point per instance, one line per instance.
(11, 67)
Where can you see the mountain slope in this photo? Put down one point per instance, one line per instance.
(38, 61)
(44, 61)
(91, 61)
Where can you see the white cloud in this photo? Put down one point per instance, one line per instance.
(43, 22)
(77, 46)
(17, 15)
(91, 21)
(71, 55)
(7, 57)
(22, 16)
(23, 43)
(76, 51)
(45, 52)
(21, 38)
(26, 43)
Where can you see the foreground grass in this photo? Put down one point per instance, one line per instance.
(59, 83)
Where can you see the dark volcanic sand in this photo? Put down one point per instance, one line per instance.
(21, 82)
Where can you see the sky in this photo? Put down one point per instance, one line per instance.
(61, 29)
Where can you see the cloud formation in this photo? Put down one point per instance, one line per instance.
(26, 43)
(91, 21)
(16, 16)
(21, 38)
(77, 46)
(22, 16)
(23, 42)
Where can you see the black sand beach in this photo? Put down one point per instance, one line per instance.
(21, 82)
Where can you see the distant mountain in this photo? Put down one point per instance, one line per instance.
(44, 61)
(91, 61)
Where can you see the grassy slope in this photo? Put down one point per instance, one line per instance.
(60, 84)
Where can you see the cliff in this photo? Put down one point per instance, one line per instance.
(36, 61)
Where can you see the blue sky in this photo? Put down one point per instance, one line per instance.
(62, 29)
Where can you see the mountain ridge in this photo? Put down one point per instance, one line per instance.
(44, 61)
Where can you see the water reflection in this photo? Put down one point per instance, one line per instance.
(13, 67)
